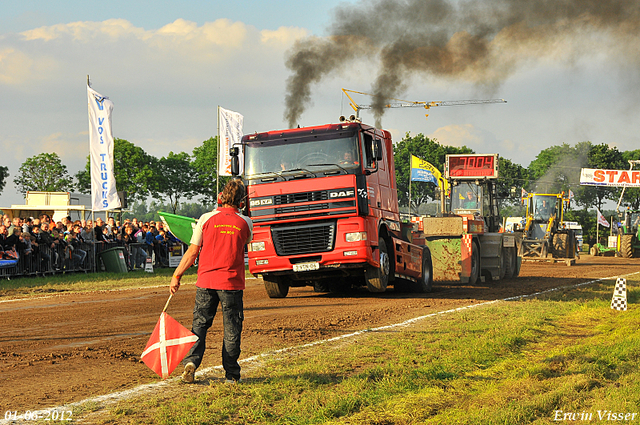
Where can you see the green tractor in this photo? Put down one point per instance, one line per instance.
(628, 237)
(628, 244)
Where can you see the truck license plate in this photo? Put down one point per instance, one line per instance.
(305, 267)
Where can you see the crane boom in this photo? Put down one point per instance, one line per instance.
(413, 104)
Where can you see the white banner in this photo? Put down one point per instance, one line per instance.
(230, 135)
(601, 220)
(617, 178)
(103, 183)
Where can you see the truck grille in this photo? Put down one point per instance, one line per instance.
(305, 238)
(319, 195)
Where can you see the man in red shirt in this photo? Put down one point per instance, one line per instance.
(219, 238)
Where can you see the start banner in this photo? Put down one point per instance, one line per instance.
(617, 178)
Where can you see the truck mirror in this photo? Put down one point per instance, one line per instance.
(235, 162)
(377, 150)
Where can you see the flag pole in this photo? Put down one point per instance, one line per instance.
(410, 172)
(218, 156)
(167, 304)
(93, 218)
(409, 196)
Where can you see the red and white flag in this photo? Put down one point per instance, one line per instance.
(169, 344)
(601, 220)
(524, 193)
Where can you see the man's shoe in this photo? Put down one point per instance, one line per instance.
(233, 381)
(189, 373)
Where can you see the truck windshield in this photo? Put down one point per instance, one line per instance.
(315, 156)
(544, 206)
(465, 197)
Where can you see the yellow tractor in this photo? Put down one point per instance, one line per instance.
(545, 235)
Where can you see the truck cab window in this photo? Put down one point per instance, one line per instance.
(367, 150)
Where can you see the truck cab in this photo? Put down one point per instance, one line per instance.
(324, 205)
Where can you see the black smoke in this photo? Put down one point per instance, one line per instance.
(482, 41)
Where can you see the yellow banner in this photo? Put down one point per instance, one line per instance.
(418, 168)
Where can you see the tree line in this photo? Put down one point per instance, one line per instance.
(554, 170)
(184, 176)
(175, 177)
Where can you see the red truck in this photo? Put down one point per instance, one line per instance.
(324, 205)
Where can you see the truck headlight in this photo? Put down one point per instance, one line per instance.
(355, 236)
(257, 246)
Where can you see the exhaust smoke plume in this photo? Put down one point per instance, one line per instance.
(481, 41)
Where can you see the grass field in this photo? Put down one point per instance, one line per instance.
(563, 357)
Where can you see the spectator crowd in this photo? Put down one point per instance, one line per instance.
(42, 245)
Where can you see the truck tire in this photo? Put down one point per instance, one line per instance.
(378, 277)
(276, 286)
(510, 262)
(425, 283)
(626, 246)
(518, 262)
(422, 285)
(594, 251)
(503, 263)
(475, 263)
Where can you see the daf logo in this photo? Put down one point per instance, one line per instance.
(261, 202)
(346, 193)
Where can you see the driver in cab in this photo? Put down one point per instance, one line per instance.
(470, 202)
(348, 159)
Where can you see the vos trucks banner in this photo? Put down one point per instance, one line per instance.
(103, 183)
(618, 178)
(230, 127)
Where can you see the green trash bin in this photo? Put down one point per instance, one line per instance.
(113, 259)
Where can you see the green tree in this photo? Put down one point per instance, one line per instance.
(632, 194)
(44, 172)
(4, 173)
(205, 164)
(603, 156)
(557, 168)
(176, 178)
(512, 178)
(425, 149)
(133, 170)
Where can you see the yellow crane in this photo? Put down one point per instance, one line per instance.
(412, 104)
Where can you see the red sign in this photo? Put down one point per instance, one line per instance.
(472, 166)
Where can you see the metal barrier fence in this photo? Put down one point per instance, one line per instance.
(85, 258)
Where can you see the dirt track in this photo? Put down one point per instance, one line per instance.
(68, 347)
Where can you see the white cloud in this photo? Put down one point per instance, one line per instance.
(165, 83)
(283, 36)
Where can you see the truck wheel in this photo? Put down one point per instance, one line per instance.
(425, 283)
(518, 263)
(475, 264)
(503, 263)
(594, 251)
(378, 277)
(510, 262)
(626, 246)
(276, 286)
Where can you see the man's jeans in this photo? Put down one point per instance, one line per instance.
(204, 311)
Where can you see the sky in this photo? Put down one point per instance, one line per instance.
(167, 66)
